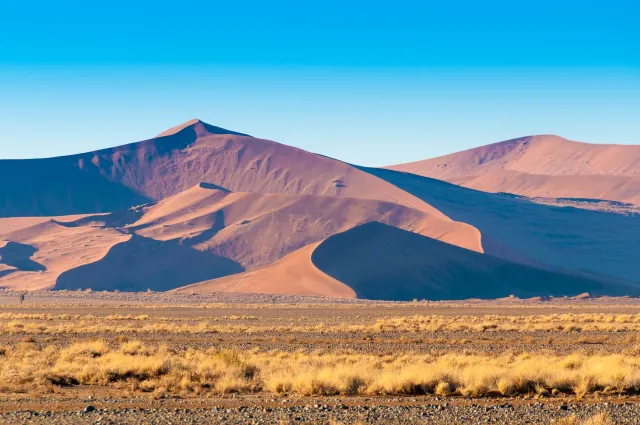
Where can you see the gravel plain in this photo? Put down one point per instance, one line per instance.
(113, 405)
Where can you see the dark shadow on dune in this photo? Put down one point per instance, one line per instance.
(93, 182)
(386, 263)
(218, 225)
(114, 220)
(18, 255)
(141, 263)
(576, 239)
(213, 187)
(57, 186)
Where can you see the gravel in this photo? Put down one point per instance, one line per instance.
(437, 413)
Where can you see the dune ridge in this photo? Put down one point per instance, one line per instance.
(541, 166)
(202, 233)
(378, 261)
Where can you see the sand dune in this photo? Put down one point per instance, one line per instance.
(542, 235)
(117, 178)
(377, 261)
(257, 229)
(11, 224)
(57, 247)
(138, 264)
(273, 218)
(200, 234)
(294, 274)
(541, 166)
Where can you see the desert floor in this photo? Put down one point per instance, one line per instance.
(110, 358)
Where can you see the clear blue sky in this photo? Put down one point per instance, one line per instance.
(368, 82)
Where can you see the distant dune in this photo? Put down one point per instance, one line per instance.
(294, 274)
(199, 234)
(200, 208)
(377, 261)
(514, 229)
(541, 166)
(117, 178)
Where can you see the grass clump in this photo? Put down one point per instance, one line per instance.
(150, 368)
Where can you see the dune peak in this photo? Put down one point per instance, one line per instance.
(200, 127)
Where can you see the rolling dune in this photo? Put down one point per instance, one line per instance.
(202, 233)
(593, 242)
(118, 178)
(377, 261)
(541, 166)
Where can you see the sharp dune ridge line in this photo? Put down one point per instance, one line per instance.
(541, 166)
(544, 236)
(164, 166)
(201, 209)
(377, 261)
(204, 228)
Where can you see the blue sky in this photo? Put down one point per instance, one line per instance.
(368, 82)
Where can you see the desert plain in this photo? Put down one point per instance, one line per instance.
(207, 276)
(110, 358)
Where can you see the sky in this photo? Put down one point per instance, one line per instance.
(371, 83)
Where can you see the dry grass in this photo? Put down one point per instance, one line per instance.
(157, 368)
(33, 324)
(547, 323)
(598, 419)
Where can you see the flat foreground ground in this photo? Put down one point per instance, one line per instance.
(78, 357)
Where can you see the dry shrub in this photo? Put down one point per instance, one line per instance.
(598, 419)
(443, 389)
(159, 370)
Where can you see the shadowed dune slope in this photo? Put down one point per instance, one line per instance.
(519, 230)
(377, 261)
(293, 274)
(16, 256)
(541, 166)
(117, 178)
(56, 247)
(257, 229)
(382, 262)
(140, 263)
(58, 186)
(200, 234)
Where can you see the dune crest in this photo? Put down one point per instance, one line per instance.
(377, 261)
(541, 166)
(294, 274)
(202, 233)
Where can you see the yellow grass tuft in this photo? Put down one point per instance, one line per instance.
(224, 371)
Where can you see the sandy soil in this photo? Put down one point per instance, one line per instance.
(68, 403)
(541, 166)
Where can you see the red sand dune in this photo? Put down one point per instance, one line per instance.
(541, 166)
(56, 247)
(117, 178)
(257, 229)
(267, 213)
(545, 236)
(294, 274)
(377, 261)
(200, 234)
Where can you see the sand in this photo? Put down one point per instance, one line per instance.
(114, 179)
(593, 242)
(541, 166)
(211, 209)
(377, 261)
(200, 234)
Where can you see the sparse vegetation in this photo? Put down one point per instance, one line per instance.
(323, 354)
(149, 368)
